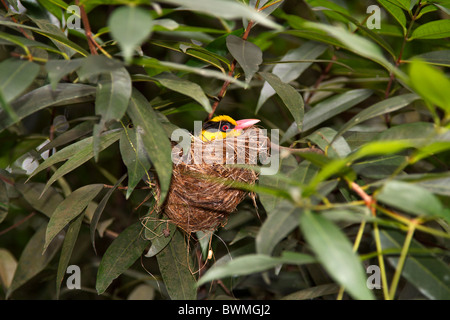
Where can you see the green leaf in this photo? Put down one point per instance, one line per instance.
(71, 150)
(290, 97)
(69, 209)
(253, 263)
(130, 26)
(432, 30)
(411, 198)
(280, 181)
(334, 252)
(427, 273)
(99, 210)
(45, 202)
(33, 260)
(70, 135)
(112, 98)
(57, 38)
(154, 138)
(395, 12)
(332, 106)
(247, 54)
(185, 87)
(76, 154)
(120, 255)
(225, 9)
(325, 138)
(134, 157)
(164, 66)
(4, 201)
(67, 249)
(439, 57)
(379, 108)
(197, 52)
(432, 84)
(45, 96)
(378, 167)
(155, 232)
(278, 225)
(113, 95)
(288, 72)
(357, 44)
(15, 77)
(57, 69)
(176, 269)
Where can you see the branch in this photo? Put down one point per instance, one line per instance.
(87, 28)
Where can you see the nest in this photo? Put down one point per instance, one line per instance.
(200, 196)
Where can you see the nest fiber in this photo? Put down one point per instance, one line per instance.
(201, 197)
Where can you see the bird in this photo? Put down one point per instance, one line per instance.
(223, 126)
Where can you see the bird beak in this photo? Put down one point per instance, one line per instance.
(245, 123)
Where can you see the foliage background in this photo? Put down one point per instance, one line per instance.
(376, 101)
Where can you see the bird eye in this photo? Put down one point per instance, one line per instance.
(225, 128)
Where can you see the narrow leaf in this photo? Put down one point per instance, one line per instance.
(134, 157)
(69, 209)
(247, 54)
(59, 68)
(379, 108)
(175, 266)
(290, 97)
(15, 77)
(412, 198)
(38, 99)
(431, 83)
(428, 274)
(80, 157)
(99, 210)
(332, 106)
(226, 9)
(278, 225)
(334, 251)
(432, 30)
(154, 138)
(66, 250)
(155, 231)
(32, 260)
(253, 263)
(288, 72)
(120, 255)
(130, 26)
(45, 202)
(185, 87)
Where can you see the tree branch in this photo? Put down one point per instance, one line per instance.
(87, 28)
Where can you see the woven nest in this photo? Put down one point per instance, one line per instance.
(200, 197)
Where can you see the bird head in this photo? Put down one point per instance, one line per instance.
(221, 127)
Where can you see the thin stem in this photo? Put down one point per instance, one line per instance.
(87, 28)
(402, 259)
(18, 223)
(371, 205)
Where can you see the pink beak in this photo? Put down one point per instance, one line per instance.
(245, 123)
